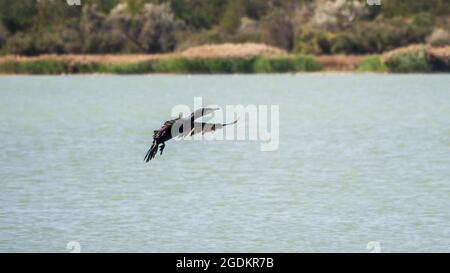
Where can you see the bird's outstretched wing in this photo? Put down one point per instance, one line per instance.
(203, 127)
(187, 126)
(201, 112)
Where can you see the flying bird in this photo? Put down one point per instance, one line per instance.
(181, 127)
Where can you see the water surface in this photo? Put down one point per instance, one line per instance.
(361, 158)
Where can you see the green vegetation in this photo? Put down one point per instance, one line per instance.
(181, 65)
(125, 68)
(34, 67)
(286, 64)
(408, 62)
(169, 65)
(372, 64)
(30, 27)
(300, 27)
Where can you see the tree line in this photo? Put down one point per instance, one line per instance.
(31, 27)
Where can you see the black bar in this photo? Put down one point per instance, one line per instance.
(222, 262)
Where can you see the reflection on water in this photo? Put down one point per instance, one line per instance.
(361, 158)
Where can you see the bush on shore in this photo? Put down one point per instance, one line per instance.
(372, 64)
(439, 38)
(182, 65)
(417, 58)
(408, 63)
(286, 64)
(34, 67)
(408, 60)
(168, 65)
(362, 38)
(439, 58)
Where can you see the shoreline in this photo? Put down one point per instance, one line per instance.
(412, 59)
(315, 73)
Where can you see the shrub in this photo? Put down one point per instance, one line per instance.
(377, 37)
(305, 63)
(343, 43)
(128, 68)
(85, 68)
(243, 65)
(34, 67)
(408, 61)
(177, 65)
(204, 65)
(231, 18)
(439, 38)
(105, 42)
(59, 40)
(9, 67)
(20, 43)
(44, 67)
(157, 26)
(278, 29)
(152, 29)
(268, 65)
(285, 64)
(372, 63)
(439, 58)
(4, 33)
(423, 19)
(172, 66)
(309, 40)
(103, 33)
(338, 14)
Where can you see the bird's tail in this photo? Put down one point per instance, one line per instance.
(151, 152)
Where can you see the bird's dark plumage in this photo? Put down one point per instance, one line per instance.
(181, 127)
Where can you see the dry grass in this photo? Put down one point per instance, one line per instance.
(245, 50)
(90, 58)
